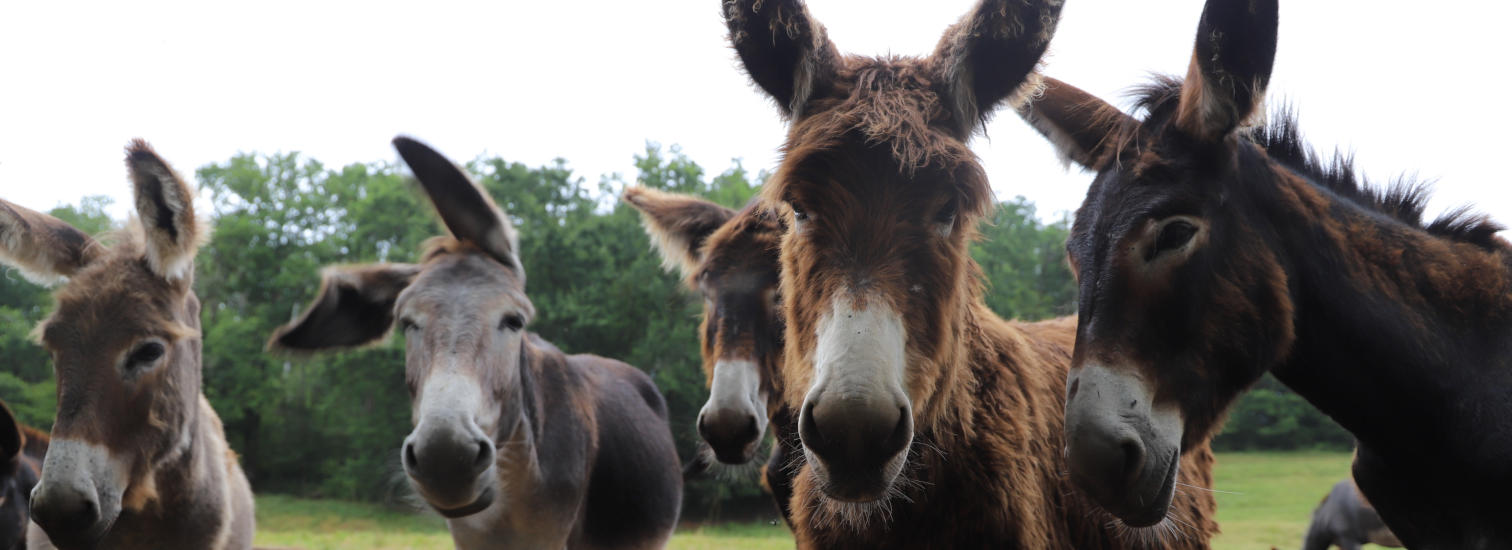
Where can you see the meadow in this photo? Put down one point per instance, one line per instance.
(1264, 500)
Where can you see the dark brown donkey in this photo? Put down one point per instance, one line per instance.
(516, 443)
(925, 420)
(21, 452)
(138, 458)
(730, 258)
(1209, 253)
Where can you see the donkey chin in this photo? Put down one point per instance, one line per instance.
(1123, 451)
(79, 496)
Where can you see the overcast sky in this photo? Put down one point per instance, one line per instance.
(1411, 87)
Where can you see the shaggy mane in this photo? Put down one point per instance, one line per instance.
(1281, 138)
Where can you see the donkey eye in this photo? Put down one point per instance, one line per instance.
(1173, 235)
(800, 214)
(406, 325)
(513, 322)
(144, 355)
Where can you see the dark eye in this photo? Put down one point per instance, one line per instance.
(406, 325)
(145, 355)
(799, 213)
(512, 321)
(1173, 235)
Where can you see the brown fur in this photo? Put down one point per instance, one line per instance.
(733, 265)
(181, 490)
(885, 196)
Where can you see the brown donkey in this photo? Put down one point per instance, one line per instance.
(1209, 253)
(925, 420)
(138, 458)
(516, 443)
(21, 452)
(730, 258)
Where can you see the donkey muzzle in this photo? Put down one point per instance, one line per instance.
(1122, 450)
(447, 461)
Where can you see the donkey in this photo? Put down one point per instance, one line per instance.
(517, 444)
(914, 400)
(138, 458)
(21, 452)
(1209, 253)
(1346, 519)
(730, 258)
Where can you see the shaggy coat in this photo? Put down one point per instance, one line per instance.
(21, 451)
(881, 196)
(138, 458)
(730, 258)
(1211, 251)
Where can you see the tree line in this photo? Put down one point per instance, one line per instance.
(330, 425)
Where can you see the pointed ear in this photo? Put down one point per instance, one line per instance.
(990, 54)
(677, 224)
(464, 207)
(354, 307)
(12, 440)
(1231, 65)
(1083, 128)
(786, 52)
(44, 249)
(165, 209)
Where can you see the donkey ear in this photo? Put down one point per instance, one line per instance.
(990, 54)
(677, 224)
(464, 207)
(1231, 65)
(44, 249)
(786, 52)
(355, 306)
(1083, 128)
(165, 208)
(12, 440)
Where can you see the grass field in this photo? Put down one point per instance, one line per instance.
(1266, 501)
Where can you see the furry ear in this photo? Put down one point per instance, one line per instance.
(464, 207)
(354, 307)
(46, 250)
(990, 55)
(786, 52)
(12, 440)
(1231, 65)
(1083, 128)
(677, 224)
(165, 209)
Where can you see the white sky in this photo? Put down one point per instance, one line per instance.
(1412, 87)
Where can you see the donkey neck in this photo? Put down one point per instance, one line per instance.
(1397, 332)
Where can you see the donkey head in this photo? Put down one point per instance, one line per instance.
(16, 481)
(883, 196)
(730, 258)
(1183, 302)
(125, 344)
(462, 311)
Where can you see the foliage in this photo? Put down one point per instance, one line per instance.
(1271, 417)
(329, 425)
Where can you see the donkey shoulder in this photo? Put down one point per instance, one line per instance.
(616, 376)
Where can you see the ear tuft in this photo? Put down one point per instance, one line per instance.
(678, 225)
(354, 307)
(1084, 129)
(989, 57)
(466, 209)
(171, 233)
(1230, 68)
(784, 50)
(46, 250)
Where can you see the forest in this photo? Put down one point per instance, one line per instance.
(330, 425)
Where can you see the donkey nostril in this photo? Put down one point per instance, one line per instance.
(1075, 385)
(409, 456)
(1133, 459)
(484, 450)
(751, 430)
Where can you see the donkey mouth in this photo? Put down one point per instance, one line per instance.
(858, 484)
(484, 500)
(1146, 507)
(78, 539)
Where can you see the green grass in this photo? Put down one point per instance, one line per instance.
(1269, 497)
(1266, 501)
